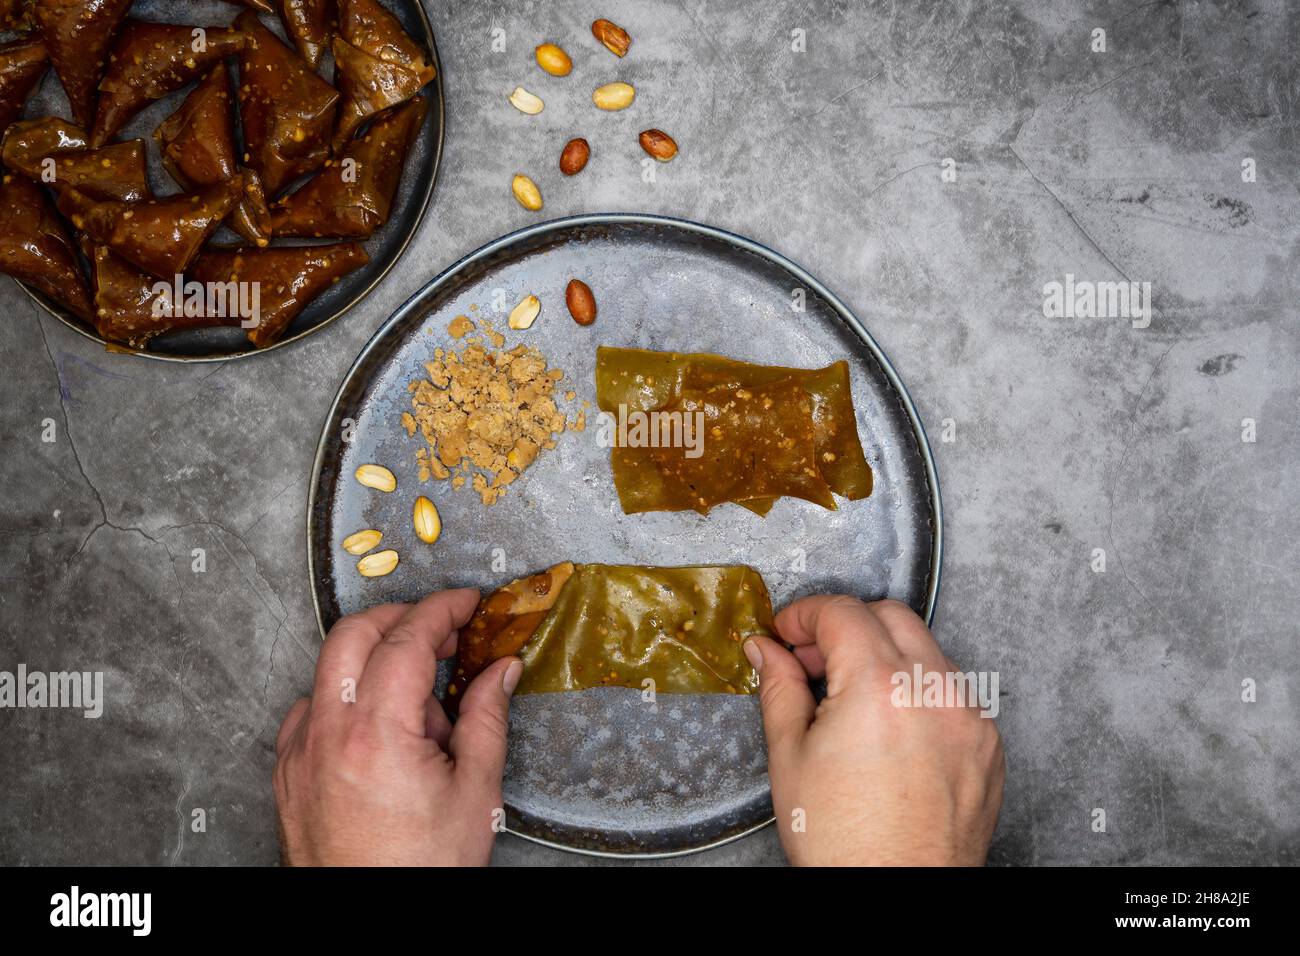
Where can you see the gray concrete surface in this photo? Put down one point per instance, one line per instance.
(1123, 689)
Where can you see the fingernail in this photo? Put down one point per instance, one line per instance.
(754, 653)
(511, 679)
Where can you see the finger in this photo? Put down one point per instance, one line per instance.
(398, 679)
(784, 696)
(908, 632)
(851, 639)
(811, 659)
(478, 741)
(348, 646)
(437, 726)
(292, 721)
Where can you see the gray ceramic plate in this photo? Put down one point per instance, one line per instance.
(601, 771)
(384, 247)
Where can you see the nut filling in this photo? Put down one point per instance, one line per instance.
(486, 415)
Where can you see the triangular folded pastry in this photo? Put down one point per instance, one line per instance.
(198, 149)
(161, 236)
(353, 195)
(150, 60)
(307, 22)
(287, 279)
(35, 248)
(22, 64)
(117, 171)
(198, 140)
(78, 34)
(132, 307)
(376, 65)
(286, 109)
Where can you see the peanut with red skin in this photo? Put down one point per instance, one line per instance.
(574, 157)
(658, 144)
(581, 303)
(612, 36)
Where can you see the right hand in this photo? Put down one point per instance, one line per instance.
(857, 780)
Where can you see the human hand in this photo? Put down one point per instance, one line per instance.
(871, 783)
(380, 776)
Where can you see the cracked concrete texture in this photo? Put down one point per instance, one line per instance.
(1123, 688)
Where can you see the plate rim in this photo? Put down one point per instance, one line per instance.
(490, 248)
(79, 325)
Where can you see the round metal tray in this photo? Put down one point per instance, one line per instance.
(600, 771)
(385, 246)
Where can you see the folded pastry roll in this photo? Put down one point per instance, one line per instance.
(198, 149)
(594, 625)
(757, 432)
(22, 64)
(78, 34)
(287, 111)
(503, 623)
(376, 65)
(161, 236)
(353, 195)
(35, 248)
(150, 60)
(131, 308)
(308, 24)
(288, 278)
(116, 171)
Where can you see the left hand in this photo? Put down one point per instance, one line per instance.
(379, 776)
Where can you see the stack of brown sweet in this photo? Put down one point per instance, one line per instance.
(78, 220)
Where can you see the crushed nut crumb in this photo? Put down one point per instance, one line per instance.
(484, 411)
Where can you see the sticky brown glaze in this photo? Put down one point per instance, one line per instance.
(308, 24)
(130, 309)
(161, 236)
(287, 110)
(79, 34)
(288, 278)
(150, 60)
(251, 217)
(353, 196)
(264, 6)
(22, 64)
(18, 15)
(502, 624)
(769, 431)
(198, 140)
(198, 149)
(117, 171)
(35, 248)
(376, 65)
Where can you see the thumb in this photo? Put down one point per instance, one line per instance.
(478, 741)
(784, 696)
